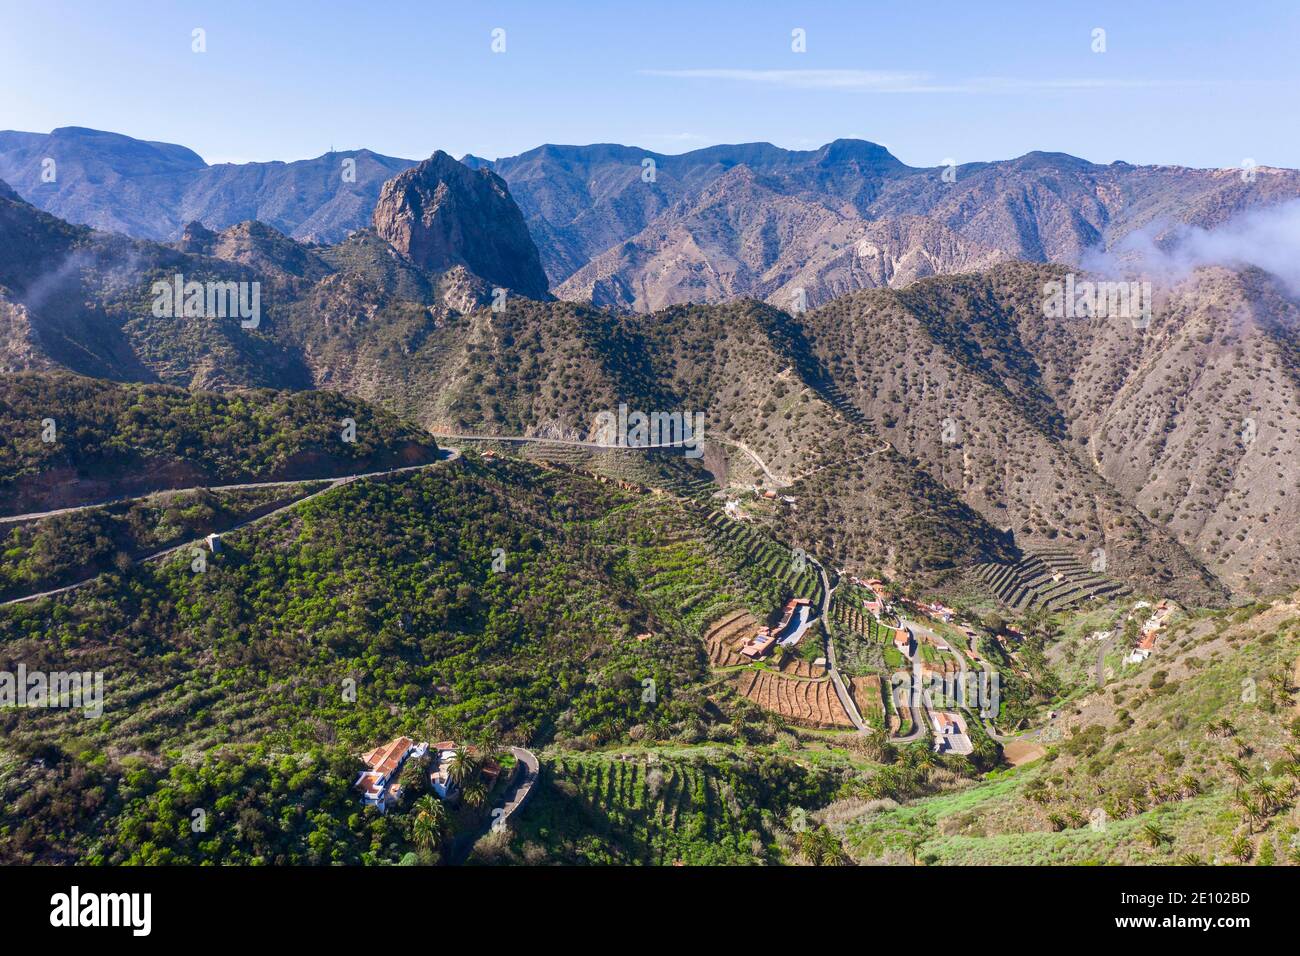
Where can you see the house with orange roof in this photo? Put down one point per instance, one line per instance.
(950, 733)
(378, 785)
(759, 644)
(903, 641)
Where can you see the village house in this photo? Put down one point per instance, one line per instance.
(950, 733)
(1150, 632)
(903, 642)
(762, 642)
(440, 774)
(941, 611)
(759, 644)
(378, 785)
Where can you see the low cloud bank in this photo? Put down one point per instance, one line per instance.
(1267, 238)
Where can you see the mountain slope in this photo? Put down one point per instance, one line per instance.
(151, 190)
(632, 227)
(960, 391)
(108, 439)
(443, 214)
(88, 300)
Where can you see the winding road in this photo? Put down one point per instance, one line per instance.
(841, 691)
(445, 456)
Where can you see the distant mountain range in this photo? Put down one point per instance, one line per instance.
(631, 228)
(915, 427)
(152, 190)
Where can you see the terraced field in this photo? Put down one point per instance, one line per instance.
(861, 640)
(868, 696)
(1050, 578)
(711, 806)
(811, 702)
(765, 554)
(726, 635)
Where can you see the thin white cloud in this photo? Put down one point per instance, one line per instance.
(888, 81)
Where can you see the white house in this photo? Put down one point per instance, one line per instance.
(378, 785)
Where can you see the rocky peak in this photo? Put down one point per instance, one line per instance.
(443, 214)
(197, 238)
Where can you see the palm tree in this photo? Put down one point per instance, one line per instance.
(1250, 812)
(1238, 769)
(474, 793)
(1241, 848)
(462, 767)
(1155, 836)
(914, 842)
(1267, 794)
(430, 821)
(1220, 728)
(1190, 859)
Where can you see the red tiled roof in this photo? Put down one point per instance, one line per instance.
(384, 760)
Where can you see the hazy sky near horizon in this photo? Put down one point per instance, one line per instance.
(1194, 83)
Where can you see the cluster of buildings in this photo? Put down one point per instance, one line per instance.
(1151, 629)
(380, 786)
(879, 602)
(795, 619)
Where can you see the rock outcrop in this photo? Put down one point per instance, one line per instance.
(443, 214)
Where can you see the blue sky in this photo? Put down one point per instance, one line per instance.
(1194, 82)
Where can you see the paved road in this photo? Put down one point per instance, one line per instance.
(960, 654)
(846, 699)
(916, 703)
(500, 817)
(523, 787)
(446, 455)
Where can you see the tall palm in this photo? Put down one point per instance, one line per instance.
(474, 793)
(1250, 811)
(1238, 769)
(1268, 794)
(430, 822)
(462, 767)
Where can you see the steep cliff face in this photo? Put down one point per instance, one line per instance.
(443, 214)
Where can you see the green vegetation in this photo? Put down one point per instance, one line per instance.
(705, 806)
(1190, 756)
(110, 439)
(67, 547)
(385, 587)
